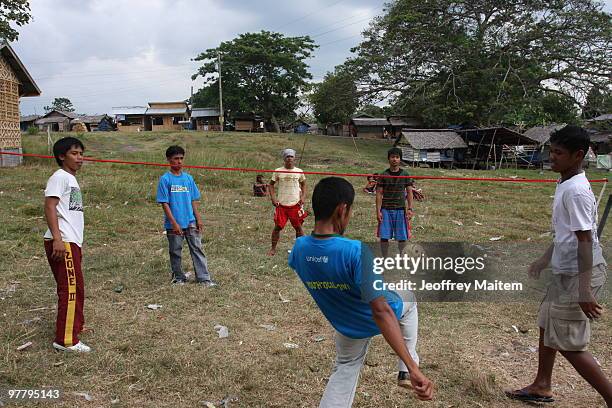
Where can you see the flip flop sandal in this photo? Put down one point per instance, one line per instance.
(522, 395)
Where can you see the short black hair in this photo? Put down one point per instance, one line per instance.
(173, 151)
(328, 194)
(394, 150)
(62, 146)
(573, 138)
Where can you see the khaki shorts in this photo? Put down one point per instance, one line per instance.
(565, 325)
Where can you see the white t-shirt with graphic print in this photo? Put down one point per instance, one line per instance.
(574, 209)
(287, 185)
(69, 208)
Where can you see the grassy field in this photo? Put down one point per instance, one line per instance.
(173, 356)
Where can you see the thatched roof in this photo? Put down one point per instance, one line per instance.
(601, 137)
(424, 139)
(370, 121)
(541, 134)
(50, 118)
(497, 136)
(91, 118)
(29, 118)
(27, 86)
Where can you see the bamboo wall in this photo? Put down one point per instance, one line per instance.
(10, 135)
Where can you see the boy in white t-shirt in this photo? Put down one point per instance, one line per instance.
(287, 191)
(578, 274)
(63, 241)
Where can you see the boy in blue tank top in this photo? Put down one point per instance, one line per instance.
(338, 274)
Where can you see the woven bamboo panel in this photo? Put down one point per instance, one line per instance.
(10, 135)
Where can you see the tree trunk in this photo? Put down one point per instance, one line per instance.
(275, 124)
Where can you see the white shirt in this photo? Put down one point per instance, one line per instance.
(287, 185)
(69, 208)
(574, 209)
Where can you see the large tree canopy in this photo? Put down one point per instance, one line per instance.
(485, 61)
(263, 72)
(335, 99)
(13, 11)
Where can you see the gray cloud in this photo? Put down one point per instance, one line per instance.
(104, 53)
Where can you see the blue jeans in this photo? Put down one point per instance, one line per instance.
(194, 241)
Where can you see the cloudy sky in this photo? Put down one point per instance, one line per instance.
(105, 53)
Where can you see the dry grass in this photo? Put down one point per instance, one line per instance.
(172, 357)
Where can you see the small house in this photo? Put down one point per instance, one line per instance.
(397, 123)
(246, 122)
(337, 129)
(442, 146)
(205, 119)
(168, 115)
(56, 121)
(131, 118)
(26, 122)
(541, 134)
(299, 126)
(15, 82)
(373, 128)
(93, 123)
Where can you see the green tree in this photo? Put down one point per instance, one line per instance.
(335, 99)
(62, 104)
(263, 72)
(598, 102)
(481, 61)
(13, 11)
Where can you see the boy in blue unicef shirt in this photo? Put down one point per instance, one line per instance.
(339, 275)
(178, 195)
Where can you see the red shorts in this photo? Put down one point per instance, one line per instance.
(295, 214)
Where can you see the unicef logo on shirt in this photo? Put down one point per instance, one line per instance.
(317, 259)
(175, 188)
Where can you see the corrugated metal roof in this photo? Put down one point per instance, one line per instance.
(438, 139)
(370, 121)
(129, 110)
(204, 112)
(167, 111)
(606, 116)
(91, 118)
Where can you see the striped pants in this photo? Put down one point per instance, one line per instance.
(70, 293)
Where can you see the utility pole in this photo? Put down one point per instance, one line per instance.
(221, 115)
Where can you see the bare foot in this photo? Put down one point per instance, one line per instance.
(272, 252)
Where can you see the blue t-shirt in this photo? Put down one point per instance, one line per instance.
(338, 274)
(178, 192)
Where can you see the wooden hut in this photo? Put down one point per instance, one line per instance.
(168, 115)
(373, 128)
(26, 122)
(206, 119)
(397, 123)
(15, 82)
(131, 118)
(92, 122)
(431, 146)
(245, 122)
(540, 153)
(56, 121)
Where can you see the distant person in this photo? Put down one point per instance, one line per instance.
(394, 203)
(287, 191)
(63, 242)
(370, 187)
(260, 187)
(178, 194)
(578, 274)
(339, 275)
